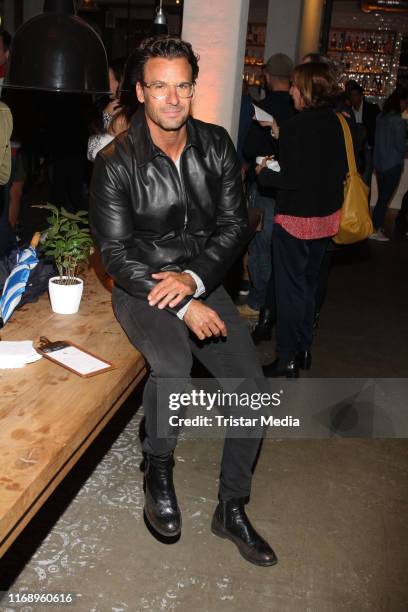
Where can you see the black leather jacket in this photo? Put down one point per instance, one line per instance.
(146, 218)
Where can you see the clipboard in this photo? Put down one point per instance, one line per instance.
(73, 357)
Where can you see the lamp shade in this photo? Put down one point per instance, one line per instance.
(58, 51)
(159, 26)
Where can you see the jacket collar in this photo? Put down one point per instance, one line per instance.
(144, 148)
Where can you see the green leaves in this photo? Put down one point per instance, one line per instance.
(68, 239)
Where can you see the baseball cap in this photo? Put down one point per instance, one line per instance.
(6, 127)
(279, 64)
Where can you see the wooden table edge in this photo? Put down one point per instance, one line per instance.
(15, 531)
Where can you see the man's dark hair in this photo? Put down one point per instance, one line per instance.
(6, 37)
(393, 102)
(354, 86)
(168, 47)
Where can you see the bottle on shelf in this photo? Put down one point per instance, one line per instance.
(356, 43)
(348, 44)
(342, 38)
(333, 41)
(362, 44)
(389, 45)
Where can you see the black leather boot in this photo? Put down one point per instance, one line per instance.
(161, 508)
(277, 368)
(231, 522)
(263, 329)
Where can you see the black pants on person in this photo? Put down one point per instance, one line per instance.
(168, 347)
(402, 218)
(296, 265)
(270, 298)
(387, 183)
(321, 288)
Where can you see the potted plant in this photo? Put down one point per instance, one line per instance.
(68, 240)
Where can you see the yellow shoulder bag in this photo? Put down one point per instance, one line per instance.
(355, 220)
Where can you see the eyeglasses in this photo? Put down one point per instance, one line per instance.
(160, 90)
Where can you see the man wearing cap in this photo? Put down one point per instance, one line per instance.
(259, 142)
(6, 127)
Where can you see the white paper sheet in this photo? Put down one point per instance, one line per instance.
(261, 115)
(15, 354)
(79, 361)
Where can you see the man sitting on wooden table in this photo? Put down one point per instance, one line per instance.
(168, 215)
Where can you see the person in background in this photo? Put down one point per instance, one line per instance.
(246, 114)
(262, 141)
(365, 114)
(313, 161)
(401, 221)
(263, 329)
(110, 107)
(238, 280)
(12, 192)
(389, 152)
(5, 43)
(6, 128)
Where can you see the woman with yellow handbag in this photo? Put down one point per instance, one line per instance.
(313, 161)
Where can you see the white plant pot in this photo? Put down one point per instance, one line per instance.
(65, 299)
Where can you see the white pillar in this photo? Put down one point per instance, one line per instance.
(282, 28)
(217, 31)
(309, 35)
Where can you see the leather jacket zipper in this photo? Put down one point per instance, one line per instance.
(184, 193)
(180, 179)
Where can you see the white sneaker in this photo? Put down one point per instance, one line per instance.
(379, 236)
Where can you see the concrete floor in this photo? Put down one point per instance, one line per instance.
(335, 511)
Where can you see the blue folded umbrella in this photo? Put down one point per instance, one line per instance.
(16, 282)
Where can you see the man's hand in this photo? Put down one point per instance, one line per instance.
(172, 288)
(203, 321)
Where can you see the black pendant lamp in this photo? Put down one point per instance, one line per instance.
(58, 51)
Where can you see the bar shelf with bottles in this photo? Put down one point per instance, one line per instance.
(366, 56)
(254, 54)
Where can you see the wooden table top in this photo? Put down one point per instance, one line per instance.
(48, 415)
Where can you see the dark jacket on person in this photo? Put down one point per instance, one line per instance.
(390, 141)
(146, 218)
(259, 141)
(245, 121)
(369, 118)
(313, 164)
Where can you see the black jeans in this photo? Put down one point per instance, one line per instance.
(402, 218)
(387, 183)
(296, 264)
(168, 347)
